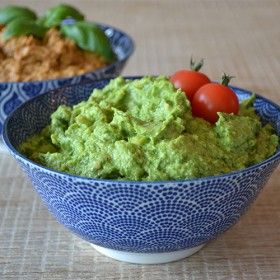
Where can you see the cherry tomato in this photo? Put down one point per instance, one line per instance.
(190, 80)
(213, 98)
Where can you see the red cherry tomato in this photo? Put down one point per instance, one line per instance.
(190, 80)
(213, 98)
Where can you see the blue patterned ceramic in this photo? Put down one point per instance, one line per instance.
(141, 222)
(12, 94)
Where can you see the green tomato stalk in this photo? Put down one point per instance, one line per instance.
(226, 79)
(196, 66)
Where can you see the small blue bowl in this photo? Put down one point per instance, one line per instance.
(12, 94)
(138, 222)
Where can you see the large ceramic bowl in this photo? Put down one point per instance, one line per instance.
(138, 222)
(12, 94)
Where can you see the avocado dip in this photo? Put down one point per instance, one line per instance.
(143, 129)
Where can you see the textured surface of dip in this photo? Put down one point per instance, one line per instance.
(144, 130)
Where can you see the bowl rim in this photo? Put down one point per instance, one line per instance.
(18, 155)
(103, 69)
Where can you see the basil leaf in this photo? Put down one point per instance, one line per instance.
(89, 37)
(54, 16)
(23, 26)
(9, 13)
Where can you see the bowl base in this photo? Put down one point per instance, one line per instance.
(147, 258)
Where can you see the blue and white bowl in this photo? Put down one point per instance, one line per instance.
(12, 94)
(138, 222)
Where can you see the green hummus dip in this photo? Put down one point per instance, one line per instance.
(144, 130)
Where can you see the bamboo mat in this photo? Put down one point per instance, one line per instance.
(241, 38)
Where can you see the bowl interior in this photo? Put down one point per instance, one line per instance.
(34, 114)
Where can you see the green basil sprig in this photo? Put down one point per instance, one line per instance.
(9, 13)
(89, 36)
(23, 26)
(53, 16)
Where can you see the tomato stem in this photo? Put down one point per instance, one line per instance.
(196, 66)
(226, 79)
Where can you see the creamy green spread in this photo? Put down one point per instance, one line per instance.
(143, 129)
